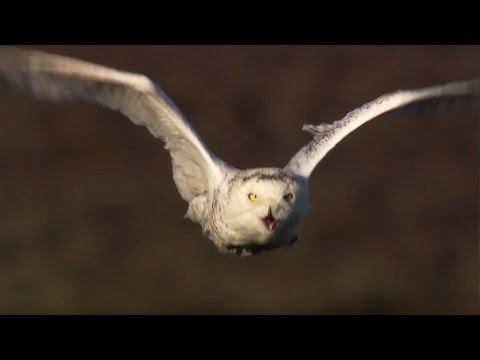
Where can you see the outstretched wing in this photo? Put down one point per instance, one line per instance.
(59, 78)
(326, 136)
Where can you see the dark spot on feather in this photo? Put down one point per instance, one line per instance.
(278, 176)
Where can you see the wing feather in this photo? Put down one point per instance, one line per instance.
(326, 136)
(59, 78)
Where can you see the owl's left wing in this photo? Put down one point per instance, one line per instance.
(326, 136)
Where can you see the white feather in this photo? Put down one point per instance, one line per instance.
(326, 136)
(59, 78)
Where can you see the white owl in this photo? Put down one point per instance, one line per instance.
(243, 212)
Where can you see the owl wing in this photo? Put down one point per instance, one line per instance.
(59, 78)
(326, 136)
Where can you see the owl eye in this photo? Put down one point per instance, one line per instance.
(288, 197)
(252, 197)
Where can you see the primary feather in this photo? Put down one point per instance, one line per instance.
(326, 136)
(59, 78)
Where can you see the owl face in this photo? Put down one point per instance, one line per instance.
(263, 210)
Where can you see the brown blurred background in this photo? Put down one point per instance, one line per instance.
(91, 222)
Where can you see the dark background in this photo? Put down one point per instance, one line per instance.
(91, 222)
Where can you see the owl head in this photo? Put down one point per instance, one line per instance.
(262, 209)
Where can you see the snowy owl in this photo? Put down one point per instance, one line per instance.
(244, 212)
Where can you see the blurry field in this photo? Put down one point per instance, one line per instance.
(91, 222)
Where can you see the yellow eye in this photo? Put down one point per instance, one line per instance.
(288, 197)
(252, 197)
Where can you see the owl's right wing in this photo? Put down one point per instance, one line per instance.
(58, 78)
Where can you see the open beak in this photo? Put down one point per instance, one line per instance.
(269, 221)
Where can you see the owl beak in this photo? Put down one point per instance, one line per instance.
(269, 221)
